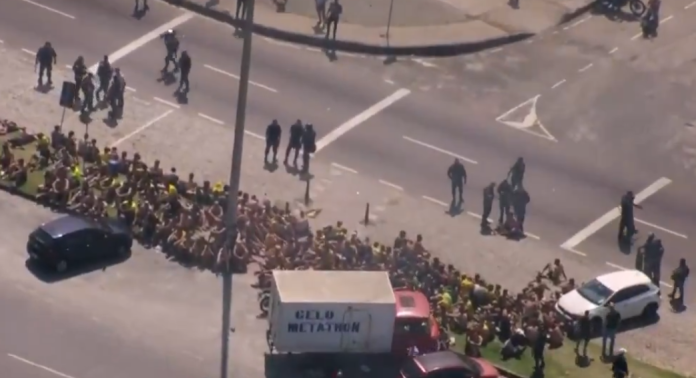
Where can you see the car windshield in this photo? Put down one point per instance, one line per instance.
(410, 369)
(595, 292)
(412, 326)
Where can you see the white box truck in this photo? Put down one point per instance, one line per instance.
(331, 312)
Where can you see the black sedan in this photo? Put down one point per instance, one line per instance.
(71, 240)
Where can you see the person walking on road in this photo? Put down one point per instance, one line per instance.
(457, 175)
(104, 73)
(516, 173)
(488, 198)
(679, 277)
(184, 70)
(46, 57)
(334, 14)
(583, 327)
(504, 200)
(80, 72)
(88, 91)
(321, 13)
(171, 44)
(138, 9)
(309, 146)
(273, 133)
(294, 142)
(652, 260)
(627, 226)
(116, 95)
(520, 200)
(611, 326)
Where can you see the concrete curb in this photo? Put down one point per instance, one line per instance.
(438, 50)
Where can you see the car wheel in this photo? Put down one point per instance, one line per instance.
(650, 311)
(597, 326)
(62, 266)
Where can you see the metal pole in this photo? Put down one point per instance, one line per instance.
(231, 218)
(391, 7)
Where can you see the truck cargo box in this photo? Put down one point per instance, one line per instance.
(331, 312)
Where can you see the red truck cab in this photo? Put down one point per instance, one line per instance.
(414, 324)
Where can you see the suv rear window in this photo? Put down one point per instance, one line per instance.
(41, 237)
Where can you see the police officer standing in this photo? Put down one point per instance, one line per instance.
(488, 197)
(516, 174)
(144, 9)
(46, 57)
(80, 71)
(457, 175)
(309, 146)
(273, 133)
(88, 92)
(626, 225)
(504, 199)
(520, 200)
(185, 67)
(116, 94)
(641, 253)
(653, 260)
(171, 42)
(104, 73)
(295, 142)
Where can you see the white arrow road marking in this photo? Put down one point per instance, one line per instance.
(530, 120)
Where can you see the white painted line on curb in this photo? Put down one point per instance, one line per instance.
(360, 118)
(393, 186)
(223, 72)
(615, 49)
(344, 168)
(436, 201)
(587, 67)
(168, 103)
(558, 84)
(661, 228)
(211, 119)
(56, 11)
(42, 367)
(143, 40)
(612, 214)
(28, 52)
(440, 150)
(143, 127)
(254, 135)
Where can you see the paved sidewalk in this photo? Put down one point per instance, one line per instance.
(413, 22)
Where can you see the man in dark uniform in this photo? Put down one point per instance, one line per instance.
(171, 43)
(653, 260)
(504, 199)
(116, 94)
(309, 146)
(334, 14)
(516, 174)
(88, 92)
(144, 9)
(79, 71)
(273, 133)
(46, 57)
(626, 225)
(488, 197)
(104, 73)
(520, 200)
(294, 142)
(641, 253)
(185, 67)
(457, 175)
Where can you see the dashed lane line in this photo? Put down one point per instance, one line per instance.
(391, 185)
(168, 103)
(587, 67)
(211, 119)
(39, 366)
(344, 168)
(438, 149)
(558, 84)
(665, 230)
(53, 10)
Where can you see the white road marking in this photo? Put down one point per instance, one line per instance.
(393, 186)
(615, 49)
(619, 267)
(343, 167)
(587, 67)
(440, 150)
(140, 42)
(42, 367)
(223, 72)
(68, 66)
(313, 49)
(278, 43)
(143, 127)
(661, 228)
(360, 118)
(131, 89)
(575, 251)
(424, 63)
(499, 49)
(436, 201)
(388, 81)
(254, 135)
(136, 99)
(666, 19)
(56, 11)
(580, 21)
(558, 84)
(690, 5)
(612, 214)
(168, 103)
(211, 119)
(28, 52)
(530, 119)
(636, 36)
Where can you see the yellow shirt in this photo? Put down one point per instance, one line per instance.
(446, 300)
(218, 188)
(172, 189)
(467, 285)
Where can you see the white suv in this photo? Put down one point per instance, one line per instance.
(631, 292)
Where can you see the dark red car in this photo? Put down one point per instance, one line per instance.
(447, 364)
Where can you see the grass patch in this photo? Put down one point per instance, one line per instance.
(562, 363)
